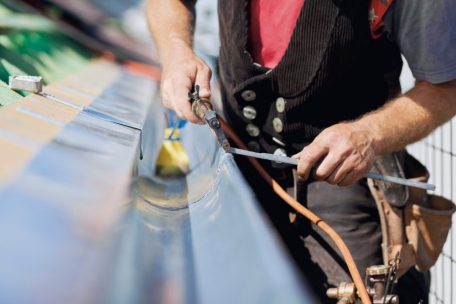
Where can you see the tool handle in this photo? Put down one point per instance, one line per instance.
(401, 181)
(373, 175)
(200, 107)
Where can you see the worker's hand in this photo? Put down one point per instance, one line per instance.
(181, 70)
(341, 154)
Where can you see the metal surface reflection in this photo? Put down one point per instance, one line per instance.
(208, 239)
(76, 227)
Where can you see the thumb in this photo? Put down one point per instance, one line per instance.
(203, 78)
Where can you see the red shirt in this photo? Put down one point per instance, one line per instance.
(271, 26)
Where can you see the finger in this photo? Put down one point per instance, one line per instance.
(308, 157)
(203, 79)
(348, 180)
(352, 177)
(327, 166)
(296, 156)
(181, 102)
(339, 173)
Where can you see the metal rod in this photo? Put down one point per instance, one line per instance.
(59, 100)
(400, 181)
(372, 175)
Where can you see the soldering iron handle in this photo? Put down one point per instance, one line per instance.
(200, 107)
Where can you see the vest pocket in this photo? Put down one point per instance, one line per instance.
(427, 227)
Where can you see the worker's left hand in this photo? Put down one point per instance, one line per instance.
(341, 154)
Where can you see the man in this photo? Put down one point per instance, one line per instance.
(312, 79)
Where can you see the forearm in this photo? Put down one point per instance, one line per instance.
(410, 117)
(171, 23)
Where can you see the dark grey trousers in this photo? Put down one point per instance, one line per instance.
(351, 211)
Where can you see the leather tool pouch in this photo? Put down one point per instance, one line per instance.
(414, 223)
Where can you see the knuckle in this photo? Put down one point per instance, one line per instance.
(306, 155)
(302, 172)
(331, 135)
(345, 146)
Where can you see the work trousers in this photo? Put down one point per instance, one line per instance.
(351, 211)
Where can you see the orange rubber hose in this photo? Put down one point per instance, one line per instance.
(356, 277)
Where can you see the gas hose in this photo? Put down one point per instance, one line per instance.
(320, 223)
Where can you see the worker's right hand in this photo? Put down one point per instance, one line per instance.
(181, 70)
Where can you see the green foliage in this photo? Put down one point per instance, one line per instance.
(33, 45)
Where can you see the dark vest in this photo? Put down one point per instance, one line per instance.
(332, 71)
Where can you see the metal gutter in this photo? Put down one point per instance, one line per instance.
(86, 222)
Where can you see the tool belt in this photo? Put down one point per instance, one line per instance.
(413, 222)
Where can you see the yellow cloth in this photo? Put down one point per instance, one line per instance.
(172, 159)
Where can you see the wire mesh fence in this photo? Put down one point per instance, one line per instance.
(438, 153)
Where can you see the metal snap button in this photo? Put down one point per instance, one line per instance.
(280, 104)
(248, 95)
(249, 112)
(277, 124)
(280, 152)
(252, 130)
(278, 141)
